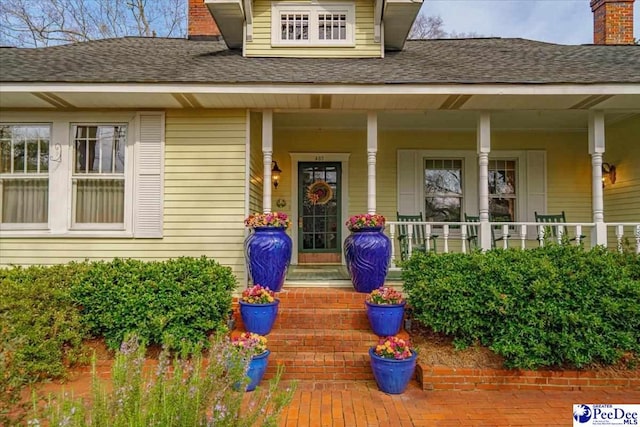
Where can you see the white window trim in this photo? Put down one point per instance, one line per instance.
(464, 185)
(60, 175)
(517, 196)
(470, 177)
(128, 178)
(312, 9)
(39, 226)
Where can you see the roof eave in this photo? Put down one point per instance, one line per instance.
(398, 17)
(230, 18)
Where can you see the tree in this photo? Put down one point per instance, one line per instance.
(37, 23)
(431, 27)
(427, 27)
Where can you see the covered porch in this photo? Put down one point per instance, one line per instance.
(478, 179)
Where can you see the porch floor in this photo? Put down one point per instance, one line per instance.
(317, 272)
(329, 275)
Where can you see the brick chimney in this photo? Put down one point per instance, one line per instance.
(612, 21)
(201, 23)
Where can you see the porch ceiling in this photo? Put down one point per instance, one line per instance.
(123, 97)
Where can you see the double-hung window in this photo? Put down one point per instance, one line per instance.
(313, 24)
(98, 180)
(503, 190)
(24, 175)
(82, 174)
(443, 189)
(443, 185)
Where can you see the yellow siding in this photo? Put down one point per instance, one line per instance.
(622, 199)
(365, 45)
(256, 164)
(568, 163)
(203, 208)
(312, 141)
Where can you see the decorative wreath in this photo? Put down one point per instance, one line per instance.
(319, 193)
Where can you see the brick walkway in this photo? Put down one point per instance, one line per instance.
(361, 404)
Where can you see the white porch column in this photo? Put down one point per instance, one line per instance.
(596, 149)
(484, 148)
(267, 153)
(372, 150)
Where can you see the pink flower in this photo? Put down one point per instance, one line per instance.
(356, 222)
(274, 219)
(393, 348)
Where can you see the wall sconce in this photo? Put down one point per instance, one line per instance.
(275, 174)
(608, 170)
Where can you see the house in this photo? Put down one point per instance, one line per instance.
(155, 148)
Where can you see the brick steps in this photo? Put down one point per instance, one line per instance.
(320, 334)
(326, 298)
(320, 340)
(321, 366)
(322, 318)
(301, 365)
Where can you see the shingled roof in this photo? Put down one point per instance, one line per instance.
(452, 61)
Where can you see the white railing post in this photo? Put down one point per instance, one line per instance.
(445, 236)
(541, 235)
(409, 239)
(505, 237)
(392, 237)
(578, 234)
(559, 233)
(427, 237)
(463, 236)
(638, 239)
(523, 237)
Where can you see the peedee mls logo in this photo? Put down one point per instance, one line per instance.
(605, 415)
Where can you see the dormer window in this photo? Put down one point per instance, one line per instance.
(312, 24)
(294, 26)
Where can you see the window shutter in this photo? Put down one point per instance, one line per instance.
(148, 218)
(408, 188)
(536, 187)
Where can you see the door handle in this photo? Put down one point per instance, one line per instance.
(300, 222)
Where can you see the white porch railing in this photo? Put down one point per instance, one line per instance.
(456, 236)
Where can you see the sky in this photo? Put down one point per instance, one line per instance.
(555, 21)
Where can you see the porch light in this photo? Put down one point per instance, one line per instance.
(608, 170)
(275, 174)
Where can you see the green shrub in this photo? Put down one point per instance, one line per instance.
(554, 306)
(174, 302)
(36, 309)
(40, 329)
(185, 392)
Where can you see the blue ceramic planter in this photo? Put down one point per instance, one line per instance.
(367, 252)
(392, 375)
(268, 253)
(385, 319)
(257, 368)
(259, 318)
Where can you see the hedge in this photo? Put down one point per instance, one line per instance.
(557, 306)
(173, 303)
(46, 312)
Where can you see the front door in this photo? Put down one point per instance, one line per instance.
(319, 222)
